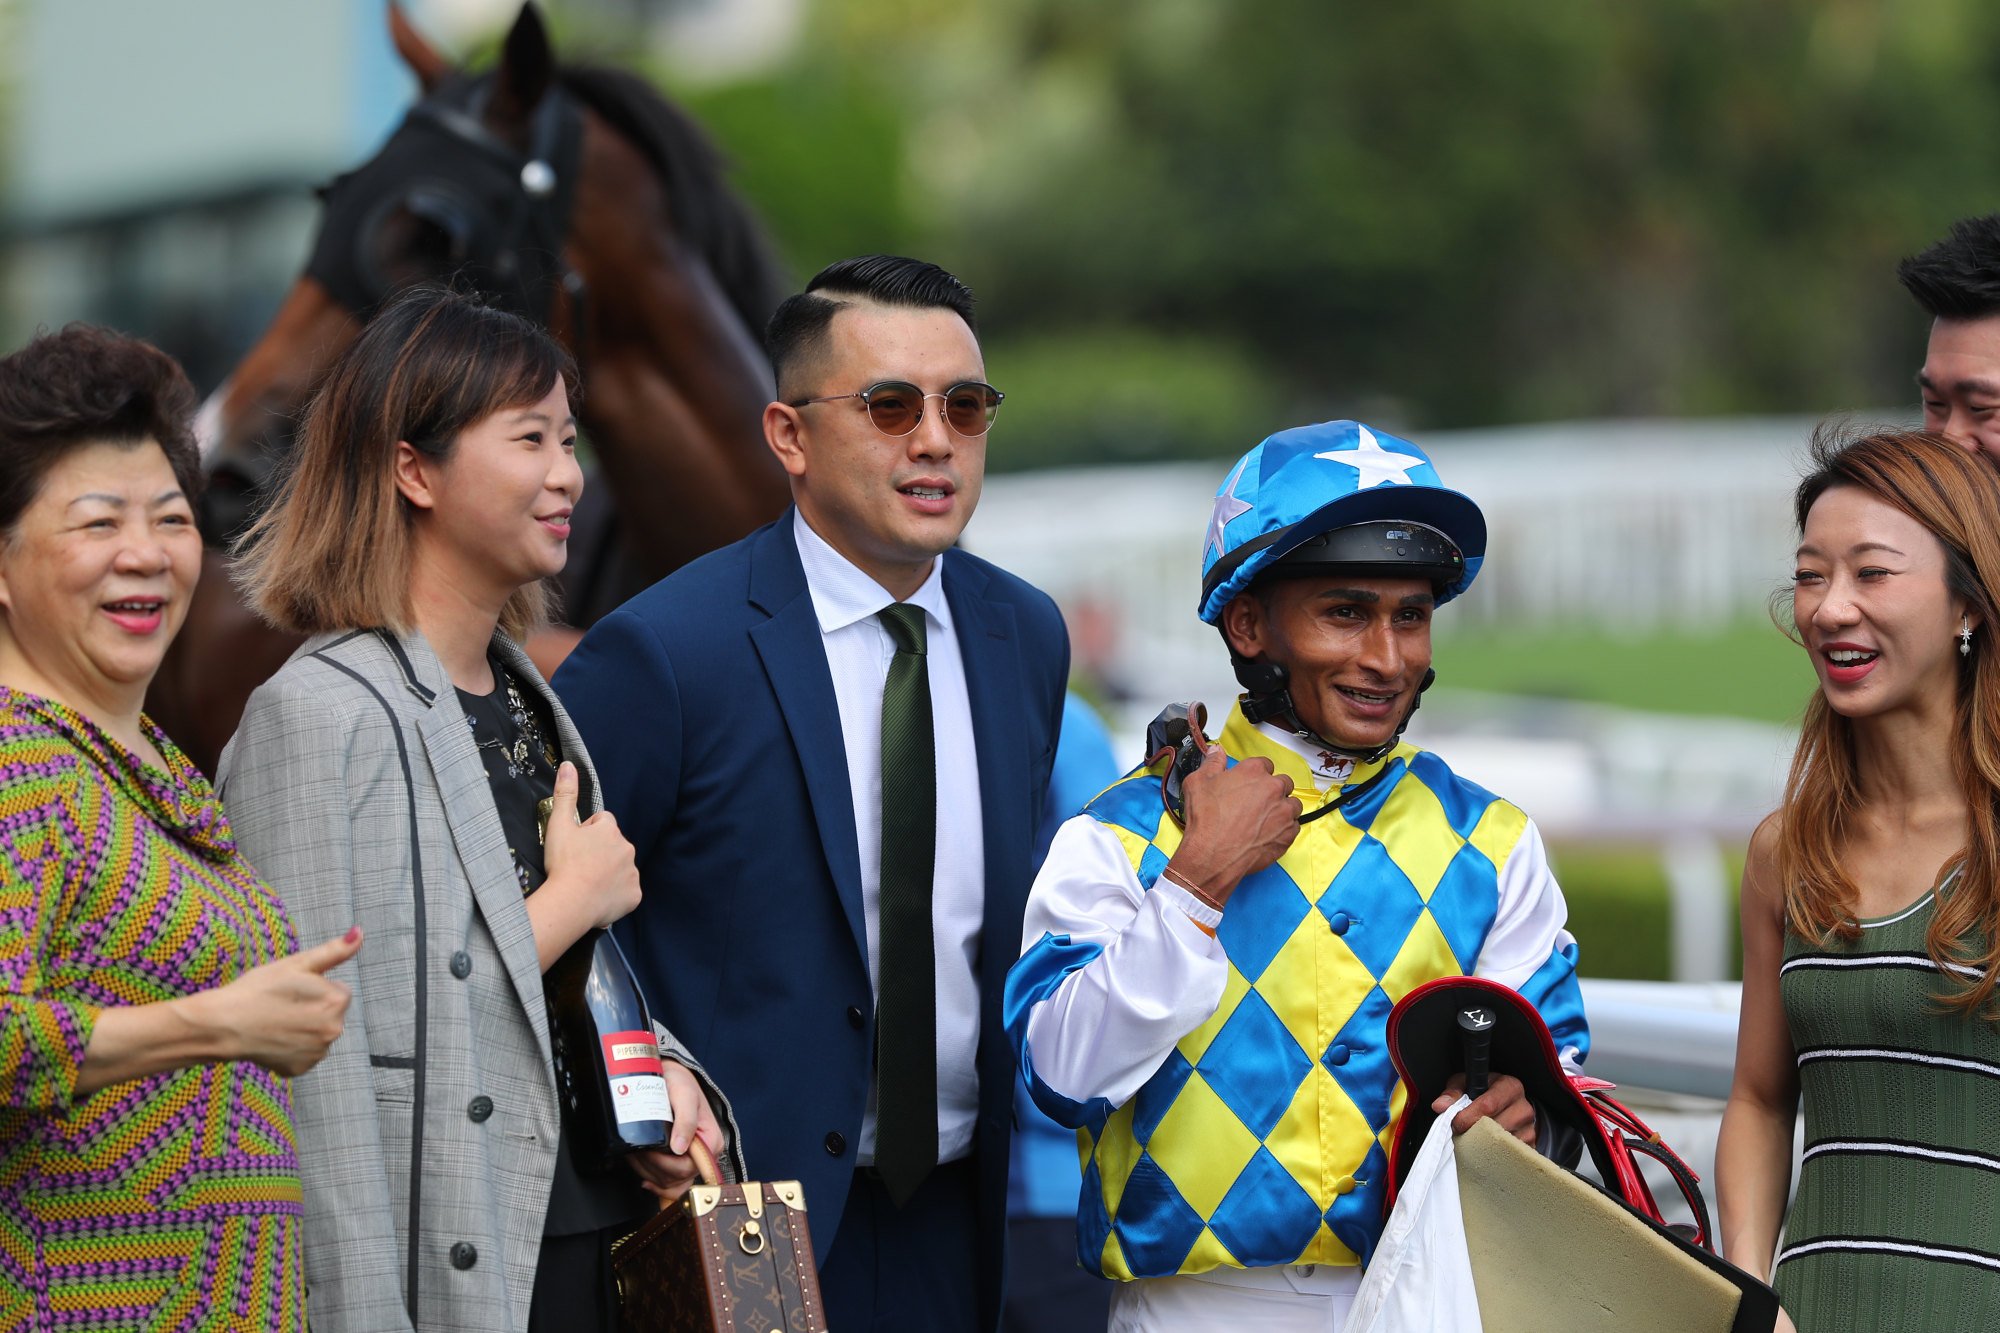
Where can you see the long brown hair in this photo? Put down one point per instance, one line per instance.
(332, 551)
(1955, 495)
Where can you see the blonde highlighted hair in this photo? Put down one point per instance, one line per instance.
(333, 549)
(1956, 496)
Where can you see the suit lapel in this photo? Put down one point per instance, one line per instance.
(467, 797)
(993, 686)
(794, 658)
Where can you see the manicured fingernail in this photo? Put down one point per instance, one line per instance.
(353, 934)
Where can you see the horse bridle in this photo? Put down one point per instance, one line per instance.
(502, 213)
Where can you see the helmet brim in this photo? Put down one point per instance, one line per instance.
(1450, 512)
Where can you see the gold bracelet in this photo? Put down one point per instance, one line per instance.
(1173, 878)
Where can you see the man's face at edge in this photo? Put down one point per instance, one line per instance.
(1960, 383)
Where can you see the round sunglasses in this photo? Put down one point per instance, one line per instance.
(897, 406)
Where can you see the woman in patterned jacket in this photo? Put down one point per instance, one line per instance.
(152, 1004)
(1871, 912)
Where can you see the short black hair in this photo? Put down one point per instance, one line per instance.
(1959, 276)
(87, 385)
(797, 331)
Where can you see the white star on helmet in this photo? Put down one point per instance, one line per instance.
(1227, 507)
(1373, 465)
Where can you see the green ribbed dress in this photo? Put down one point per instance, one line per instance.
(1896, 1225)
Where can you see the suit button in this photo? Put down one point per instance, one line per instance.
(1340, 922)
(463, 1256)
(836, 1144)
(855, 1019)
(1338, 1055)
(1345, 1185)
(478, 1109)
(461, 964)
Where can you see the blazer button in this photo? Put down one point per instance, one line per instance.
(478, 1109)
(1338, 1055)
(855, 1019)
(836, 1143)
(461, 964)
(463, 1256)
(1340, 922)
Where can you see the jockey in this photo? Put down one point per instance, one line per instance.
(1211, 953)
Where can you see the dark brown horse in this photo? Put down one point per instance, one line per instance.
(578, 196)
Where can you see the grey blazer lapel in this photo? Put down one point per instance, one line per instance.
(467, 798)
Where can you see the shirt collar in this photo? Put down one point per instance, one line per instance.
(844, 594)
(1307, 765)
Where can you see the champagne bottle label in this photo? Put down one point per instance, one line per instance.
(638, 1080)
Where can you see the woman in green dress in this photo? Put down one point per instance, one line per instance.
(1871, 912)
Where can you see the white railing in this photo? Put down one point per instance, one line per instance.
(1667, 1036)
(1635, 525)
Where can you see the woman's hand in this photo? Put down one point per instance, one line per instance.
(285, 1014)
(282, 1016)
(669, 1173)
(590, 863)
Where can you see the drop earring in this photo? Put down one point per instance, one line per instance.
(1964, 636)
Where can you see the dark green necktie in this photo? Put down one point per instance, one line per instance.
(906, 1016)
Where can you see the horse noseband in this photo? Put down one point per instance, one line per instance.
(472, 207)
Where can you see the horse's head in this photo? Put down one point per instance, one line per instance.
(576, 197)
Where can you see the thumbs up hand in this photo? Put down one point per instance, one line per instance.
(590, 864)
(1240, 818)
(285, 1014)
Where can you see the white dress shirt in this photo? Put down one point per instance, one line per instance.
(858, 653)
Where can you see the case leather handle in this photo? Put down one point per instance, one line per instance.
(704, 1161)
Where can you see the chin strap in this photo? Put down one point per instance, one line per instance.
(1267, 697)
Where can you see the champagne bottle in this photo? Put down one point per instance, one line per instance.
(609, 1080)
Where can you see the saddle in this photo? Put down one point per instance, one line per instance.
(1471, 1025)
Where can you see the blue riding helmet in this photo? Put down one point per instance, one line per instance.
(1305, 483)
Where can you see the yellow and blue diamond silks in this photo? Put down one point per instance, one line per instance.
(1263, 1137)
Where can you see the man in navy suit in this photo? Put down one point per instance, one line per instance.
(830, 743)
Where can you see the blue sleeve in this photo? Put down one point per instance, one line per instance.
(1085, 766)
(1553, 990)
(1038, 975)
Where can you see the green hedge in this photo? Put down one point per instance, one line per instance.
(1620, 910)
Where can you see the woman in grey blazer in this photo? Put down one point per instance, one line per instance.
(389, 775)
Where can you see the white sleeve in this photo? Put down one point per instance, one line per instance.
(1157, 976)
(1532, 921)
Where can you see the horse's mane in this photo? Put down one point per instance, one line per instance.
(710, 214)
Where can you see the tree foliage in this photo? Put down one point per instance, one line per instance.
(1194, 221)
(1443, 212)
